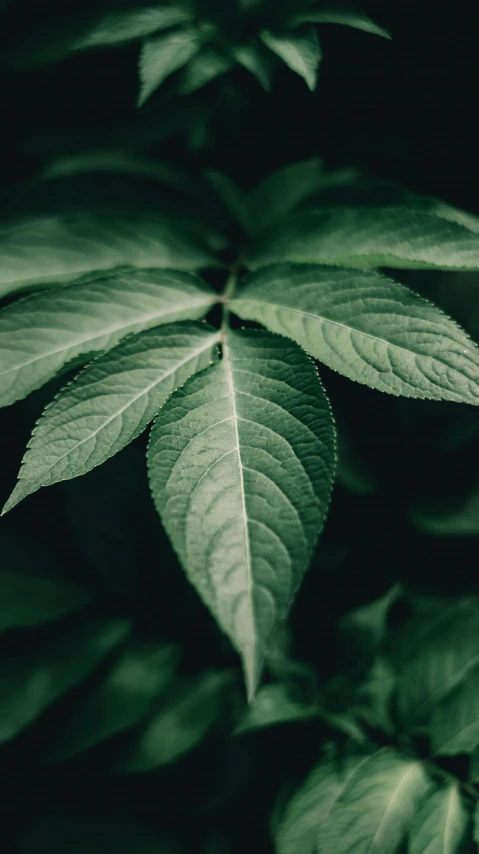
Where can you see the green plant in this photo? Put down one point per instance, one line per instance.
(148, 295)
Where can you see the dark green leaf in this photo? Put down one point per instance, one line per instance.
(299, 49)
(30, 600)
(164, 54)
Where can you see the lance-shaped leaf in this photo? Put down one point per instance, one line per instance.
(442, 824)
(367, 327)
(282, 190)
(164, 54)
(205, 66)
(241, 463)
(111, 402)
(432, 654)
(454, 726)
(124, 698)
(374, 812)
(127, 25)
(30, 600)
(273, 706)
(346, 15)
(259, 61)
(58, 249)
(183, 720)
(370, 237)
(43, 332)
(32, 681)
(299, 49)
(300, 827)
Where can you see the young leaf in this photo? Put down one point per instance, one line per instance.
(241, 463)
(30, 600)
(432, 653)
(163, 55)
(126, 25)
(32, 682)
(61, 249)
(442, 824)
(234, 199)
(43, 332)
(205, 66)
(370, 237)
(367, 625)
(347, 16)
(181, 723)
(281, 191)
(253, 56)
(111, 402)
(124, 698)
(374, 812)
(299, 49)
(272, 706)
(61, 834)
(366, 327)
(454, 726)
(308, 809)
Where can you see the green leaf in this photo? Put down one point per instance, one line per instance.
(299, 49)
(454, 726)
(60, 249)
(241, 463)
(366, 327)
(309, 808)
(122, 700)
(181, 723)
(163, 55)
(32, 681)
(370, 237)
(30, 600)
(126, 25)
(233, 198)
(281, 191)
(208, 64)
(347, 16)
(459, 517)
(253, 56)
(61, 834)
(43, 332)
(433, 653)
(367, 625)
(374, 812)
(272, 706)
(111, 402)
(442, 824)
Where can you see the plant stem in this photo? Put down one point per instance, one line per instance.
(228, 292)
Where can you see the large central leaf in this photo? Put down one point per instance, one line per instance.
(241, 463)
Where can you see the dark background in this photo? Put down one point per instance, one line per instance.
(403, 110)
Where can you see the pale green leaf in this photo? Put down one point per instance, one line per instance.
(367, 327)
(208, 64)
(253, 56)
(111, 402)
(300, 827)
(125, 25)
(43, 332)
(299, 49)
(370, 237)
(124, 698)
(347, 16)
(34, 679)
(272, 706)
(432, 653)
(164, 54)
(61, 834)
(281, 191)
(60, 249)
(30, 600)
(442, 824)
(241, 463)
(374, 812)
(184, 719)
(454, 726)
